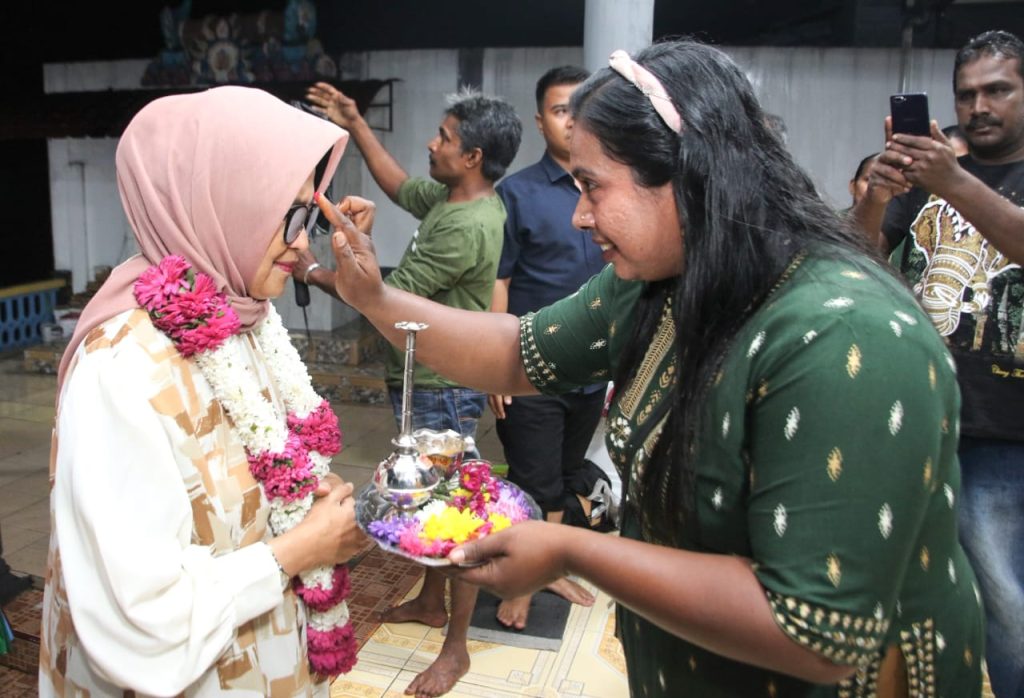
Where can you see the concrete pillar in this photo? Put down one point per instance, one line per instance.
(612, 24)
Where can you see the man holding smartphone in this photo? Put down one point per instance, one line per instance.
(965, 222)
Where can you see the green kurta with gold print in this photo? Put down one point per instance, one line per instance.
(827, 455)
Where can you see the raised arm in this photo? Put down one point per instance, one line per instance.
(477, 349)
(929, 162)
(885, 180)
(342, 110)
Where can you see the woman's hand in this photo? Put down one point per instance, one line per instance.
(518, 561)
(327, 536)
(360, 211)
(301, 268)
(327, 484)
(335, 533)
(358, 281)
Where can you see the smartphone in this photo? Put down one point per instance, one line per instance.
(910, 113)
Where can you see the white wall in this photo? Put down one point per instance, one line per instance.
(426, 77)
(833, 101)
(89, 225)
(512, 73)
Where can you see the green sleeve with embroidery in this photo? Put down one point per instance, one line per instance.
(576, 341)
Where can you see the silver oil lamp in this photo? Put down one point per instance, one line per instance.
(407, 477)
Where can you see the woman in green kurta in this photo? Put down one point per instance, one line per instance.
(786, 417)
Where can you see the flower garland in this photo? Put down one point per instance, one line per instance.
(287, 456)
(481, 504)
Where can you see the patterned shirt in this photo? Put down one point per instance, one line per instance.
(973, 294)
(158, 575)
(826, 454)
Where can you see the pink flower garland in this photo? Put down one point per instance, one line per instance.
(188, 308)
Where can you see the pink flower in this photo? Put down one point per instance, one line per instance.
(285, 474)
(161, 282)
(209, 335)
(321, 598)
(411, 542)
(205, 286)
(174, 267)
(332, 652)
(475, 475)
(185, 306)
(471, 480)
(318, 430)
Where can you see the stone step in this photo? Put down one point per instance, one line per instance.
(354, 343)
(363, 384)
(43, 358)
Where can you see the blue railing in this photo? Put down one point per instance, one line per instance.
(23, 309)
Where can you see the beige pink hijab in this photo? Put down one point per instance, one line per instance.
(210, 176)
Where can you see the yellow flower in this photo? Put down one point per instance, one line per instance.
(500, 522)
(451, 524)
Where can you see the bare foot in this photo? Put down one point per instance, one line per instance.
(571, 591)
(512, 613)
(439, 678)
(414, 611)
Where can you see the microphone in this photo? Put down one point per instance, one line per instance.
(301, 293)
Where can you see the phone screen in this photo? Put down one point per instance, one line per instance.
(910, 113)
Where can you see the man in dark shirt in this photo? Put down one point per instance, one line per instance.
(543, 259)
(965, 224)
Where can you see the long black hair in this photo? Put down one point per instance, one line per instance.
(746, 212)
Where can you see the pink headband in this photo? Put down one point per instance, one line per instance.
(646, 82)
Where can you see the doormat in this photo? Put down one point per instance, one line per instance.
(545, 625)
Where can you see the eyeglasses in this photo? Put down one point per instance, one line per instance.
(300, 217)
(304, 217)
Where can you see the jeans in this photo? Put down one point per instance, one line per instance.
(458, 409)
(992, 532)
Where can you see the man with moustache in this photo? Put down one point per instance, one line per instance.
(452, 259)
(965, 221)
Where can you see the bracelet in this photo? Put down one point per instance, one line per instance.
(309, 270)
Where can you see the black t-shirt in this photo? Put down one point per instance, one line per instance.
(973, 294)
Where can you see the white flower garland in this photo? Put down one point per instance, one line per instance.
(261, 429)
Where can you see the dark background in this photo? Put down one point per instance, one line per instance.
(33, 33)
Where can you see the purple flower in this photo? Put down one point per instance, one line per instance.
(391, 530)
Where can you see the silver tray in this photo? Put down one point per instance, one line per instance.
(371, 506)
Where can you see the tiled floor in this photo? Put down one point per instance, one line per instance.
(589, 662)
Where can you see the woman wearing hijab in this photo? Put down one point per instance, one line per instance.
(189, 466)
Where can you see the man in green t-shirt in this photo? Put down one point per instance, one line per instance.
(452, 259)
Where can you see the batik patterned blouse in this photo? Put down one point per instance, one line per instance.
(159, 577)
(826, 455)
